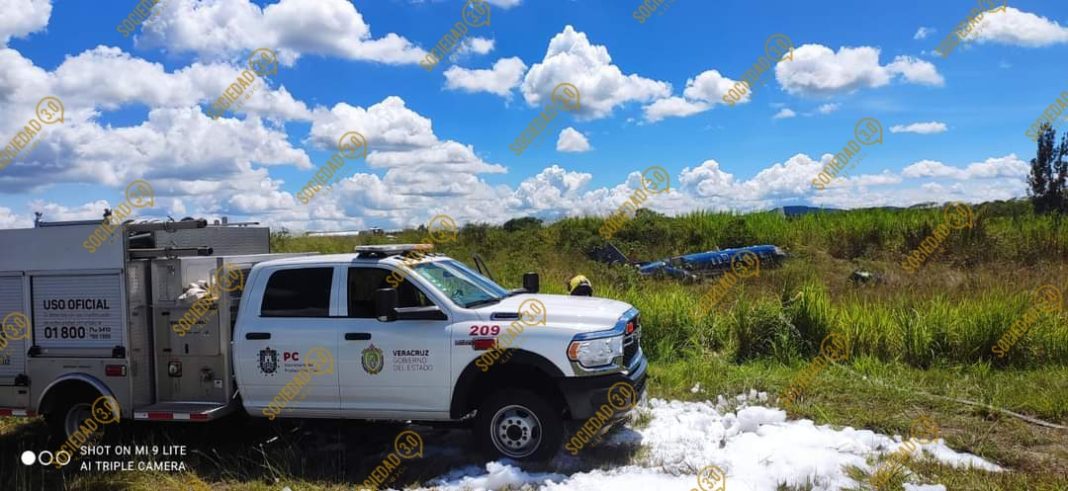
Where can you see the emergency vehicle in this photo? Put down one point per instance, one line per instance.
(148, 319)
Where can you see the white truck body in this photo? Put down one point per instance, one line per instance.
(111, 322)
(406, 387)
(89, 311)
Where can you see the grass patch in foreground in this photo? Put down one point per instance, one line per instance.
(846, 395)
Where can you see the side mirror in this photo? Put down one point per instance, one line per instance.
(386, 304)
(531, 282)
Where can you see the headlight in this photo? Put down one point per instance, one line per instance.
(596, 352)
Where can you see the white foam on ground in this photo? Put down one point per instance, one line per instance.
(755, 445)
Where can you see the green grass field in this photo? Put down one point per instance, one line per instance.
(918, 343)
(952, 311)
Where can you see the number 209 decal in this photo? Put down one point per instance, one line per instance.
(484, 331)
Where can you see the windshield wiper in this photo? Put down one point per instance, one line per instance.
(479, 303)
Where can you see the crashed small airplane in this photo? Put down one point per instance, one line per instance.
(691, 266)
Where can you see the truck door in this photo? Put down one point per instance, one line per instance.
(390, 367)
(14, 333)
(286, 353)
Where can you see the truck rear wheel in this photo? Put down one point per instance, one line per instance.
(66, 416)
(520, 425)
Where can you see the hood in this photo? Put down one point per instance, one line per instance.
(574, 312)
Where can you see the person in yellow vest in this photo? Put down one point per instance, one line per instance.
(579, 285)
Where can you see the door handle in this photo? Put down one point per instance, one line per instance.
(357, 336)
(258, 335)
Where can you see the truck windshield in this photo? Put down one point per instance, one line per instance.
(465, 287)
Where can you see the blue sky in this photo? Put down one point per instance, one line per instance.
(438, 142)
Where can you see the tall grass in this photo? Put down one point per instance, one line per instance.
(951, 311)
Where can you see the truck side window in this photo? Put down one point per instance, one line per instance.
(362, 285)
(303, 292)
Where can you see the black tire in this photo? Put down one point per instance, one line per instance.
(519, 425)
(68, 413)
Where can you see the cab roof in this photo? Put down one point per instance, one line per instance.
(391, 253)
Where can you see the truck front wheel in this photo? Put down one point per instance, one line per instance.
(520, 425)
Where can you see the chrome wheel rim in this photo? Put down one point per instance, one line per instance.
(76, 416)
(515, 431)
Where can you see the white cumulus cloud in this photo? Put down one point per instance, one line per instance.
(920, 128)
(476, 45)
(602, 86)
(232, 28)
(23, 17)
(710, 87)
(916, 71)
(505, 4)
(673, 107)
(701, 94)
(784, 113)
(817, 70)
(991, 168)
(209, 168)
(571, 140)
(1019, 28)
(500, 80)
(89, 78)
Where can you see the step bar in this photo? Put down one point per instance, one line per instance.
(197, 412)
(14, 411)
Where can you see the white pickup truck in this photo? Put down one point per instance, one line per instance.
(301, 336)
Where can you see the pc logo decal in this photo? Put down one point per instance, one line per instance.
(268, 361)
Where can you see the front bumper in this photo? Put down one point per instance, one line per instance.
(585, 395)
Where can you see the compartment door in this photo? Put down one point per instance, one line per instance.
(15, 331)
(78, 315)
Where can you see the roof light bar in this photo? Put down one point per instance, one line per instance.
(392, 249)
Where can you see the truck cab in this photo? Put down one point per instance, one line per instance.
(380, 335)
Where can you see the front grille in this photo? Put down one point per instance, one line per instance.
(629, 350)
